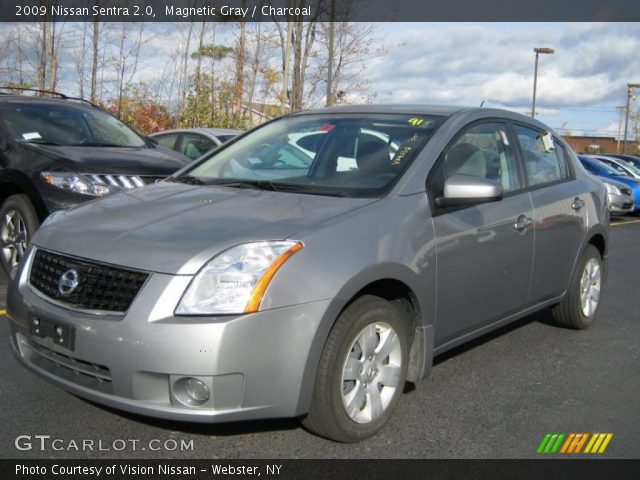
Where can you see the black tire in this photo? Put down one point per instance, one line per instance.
(569, 312)
(21, 206)
(328, 415)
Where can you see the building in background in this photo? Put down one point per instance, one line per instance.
(595, 144)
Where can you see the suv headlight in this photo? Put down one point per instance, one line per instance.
(234, 281)
(77, 183)
(612, 189)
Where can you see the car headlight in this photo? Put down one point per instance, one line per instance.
(234, 281)
(77, 183)
(612, 189)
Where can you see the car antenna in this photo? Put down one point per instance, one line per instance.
(481, 103)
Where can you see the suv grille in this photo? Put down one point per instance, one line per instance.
(99, 286)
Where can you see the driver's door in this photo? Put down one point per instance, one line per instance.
(484, 251)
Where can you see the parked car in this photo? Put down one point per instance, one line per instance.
(215, 296)
(618, 164)
(194, 142)
(603, 170)
(620, 196)
(632, 159)
(58, 152)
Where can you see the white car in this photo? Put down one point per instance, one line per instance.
(194, 142)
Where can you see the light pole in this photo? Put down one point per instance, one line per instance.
(538, 50)
(630, 87)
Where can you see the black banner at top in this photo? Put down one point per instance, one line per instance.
(319, 10)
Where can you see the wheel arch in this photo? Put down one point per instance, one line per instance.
(13, 182)
(400, 286)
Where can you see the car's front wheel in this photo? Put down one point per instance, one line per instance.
(361, 373)
(580, 304)
(18, 223)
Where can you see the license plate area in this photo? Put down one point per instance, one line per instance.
(61, 334)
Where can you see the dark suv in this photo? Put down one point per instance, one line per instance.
(58, 152)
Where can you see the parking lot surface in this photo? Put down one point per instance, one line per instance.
(494, 398)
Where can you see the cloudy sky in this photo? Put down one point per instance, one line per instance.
(579, 87)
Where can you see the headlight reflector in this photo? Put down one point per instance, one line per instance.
(76, 182)
(235, 280)
(612, 189)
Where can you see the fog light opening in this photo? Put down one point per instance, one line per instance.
(191, 391)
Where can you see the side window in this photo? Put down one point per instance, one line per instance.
(194, 145)
(484, 151)
(541, 166)
(167, 141)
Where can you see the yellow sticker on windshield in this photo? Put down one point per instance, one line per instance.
(420, 122)
(400, 155)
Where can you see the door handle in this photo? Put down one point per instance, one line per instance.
(522, 223)
(577, 204)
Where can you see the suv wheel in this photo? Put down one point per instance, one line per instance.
(580, 304)
(361, 373)
(18, 223)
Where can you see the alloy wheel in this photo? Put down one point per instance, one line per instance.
(590, 284)
(14, 237)
(371, 372)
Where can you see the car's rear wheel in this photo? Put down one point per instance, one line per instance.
(580, 305)
(362, 371)
(18, 223)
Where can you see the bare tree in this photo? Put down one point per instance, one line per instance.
(95, 39)
(43, 52)
(129, 43)
(239, 81)
(354, 47)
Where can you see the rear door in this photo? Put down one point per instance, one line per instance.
(559, 204)
(484, 251)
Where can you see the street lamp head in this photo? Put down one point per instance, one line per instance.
(633, 85)
(544, 50)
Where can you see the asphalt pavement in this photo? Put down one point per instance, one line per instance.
(494, 398)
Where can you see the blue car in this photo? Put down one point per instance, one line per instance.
(596, 167)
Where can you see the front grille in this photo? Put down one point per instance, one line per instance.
(87, 374)
(99, 286)
(126, 182)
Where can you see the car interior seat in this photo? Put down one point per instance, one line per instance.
(466, 159)
(373, 157)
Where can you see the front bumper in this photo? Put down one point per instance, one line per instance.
(260, 365)
(621, 203)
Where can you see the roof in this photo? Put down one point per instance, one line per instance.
(445, 110)
(25, 99)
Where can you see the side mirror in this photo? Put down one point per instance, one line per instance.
(469, 190)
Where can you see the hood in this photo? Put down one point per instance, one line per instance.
(175, 228)
(156, 161)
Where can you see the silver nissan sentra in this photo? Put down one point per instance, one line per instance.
(312, 266)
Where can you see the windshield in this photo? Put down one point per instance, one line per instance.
(341, 155)
(54, 124)
(629, 166)
(609, 169)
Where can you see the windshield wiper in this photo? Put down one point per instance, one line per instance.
(187, 179)
(235, 183)
(96, 143)
(41, 141)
